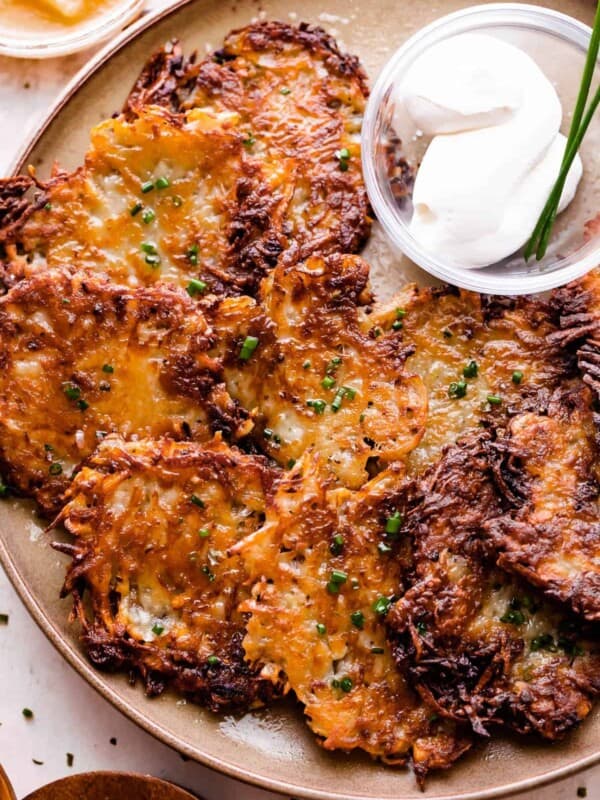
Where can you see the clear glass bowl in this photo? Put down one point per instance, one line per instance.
(96, 29)
(558, 43)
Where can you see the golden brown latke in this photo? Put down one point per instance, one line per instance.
(153, 585)
(326, 573)
(300, 102)
(453, 331)
(160, 197)
(315, 380)
(551, 536)
(478, 644)
(81, 357)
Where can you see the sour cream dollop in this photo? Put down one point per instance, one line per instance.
(495, 152)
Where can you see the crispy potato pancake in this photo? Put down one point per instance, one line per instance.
(552, 537)
(326, 572)
(315, 380)
(153, 522)
(468, 348)
(300, 100)
(81, 357)
(160, 197)
(478, 644)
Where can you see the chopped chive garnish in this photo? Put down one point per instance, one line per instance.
(108, 368)
(346, 684)
(249, 346)
(421, 627)
(192, 254)
(517, 376)
(82, 405)
(338, 576)
(135, 209)
(337, 544)
(318, 406)
(394, 523)
(333, 365)
(471, 370)
(349, 392)
(306, 364)
(148, 216)
(291, 463)
(3, 619)
(358, 619)
(285, 90)
(162, 183)
(157, 629)
(377, 332)
(545, 641)
(354, 583)
(321, 629)
(177, 200)
(384, 548)
(377, 651)
(197, 501)
(343, 156)
(70, 759)
(513, 617)
(213, 661)
(400, 313)
(335, 683)
(494, 400)
(48, 207)
(148, 247)
(382, 605)
(457, 389)
(152, 260)
(270, 435)
(328, 382)
(210, 575)
(27, 713)
(249, 140)
(447, 333)
(397, 325)
(342, 392)
(147, 187)
(71, 391)
(204, 533)
(196, 286)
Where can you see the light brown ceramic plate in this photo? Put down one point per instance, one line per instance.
(272, 749)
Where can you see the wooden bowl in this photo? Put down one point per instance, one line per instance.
(109, 786)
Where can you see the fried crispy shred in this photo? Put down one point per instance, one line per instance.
(153, 522)
(81, 357)
(326, 573)
(479, 645)
(315, 379)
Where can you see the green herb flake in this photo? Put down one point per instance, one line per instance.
(328, 382)
(382, 605)
(248, 347)
(343, 156)
(210, 575)
(27, 713)
(337, 545)
(358, 619)
(284, 90)
(470, 370)
(306, 364)
(321, 629)
(494, 400)
(397, 325)
(384, 548)
(394, 523)
(346, 684)
(177, 200)
(162, 182)
(197, 501)
(457, 389)
(192, 254)
(55, 468)
(196, 287)
(147, 187)
(517, 377)
(72, 392)
(249, 140)
(513, 617)
(421, 627)
(318, 406)
(204, 533)
(377, 651)
(83, 405)
(213, 661)
(333, 365)
(148, 247)
(135, 209)
(157, 629)
(152, 260)
(48, 207)
(291, 463)
(108, 368)
(148, 216)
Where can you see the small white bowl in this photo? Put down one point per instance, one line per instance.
(558, 43)
(85, 34)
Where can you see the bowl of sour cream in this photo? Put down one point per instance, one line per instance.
(462, 142)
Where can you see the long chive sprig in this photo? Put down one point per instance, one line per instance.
(579, 124)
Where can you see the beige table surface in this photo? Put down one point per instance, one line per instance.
(69, 716)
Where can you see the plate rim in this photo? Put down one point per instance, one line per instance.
(74, 657)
